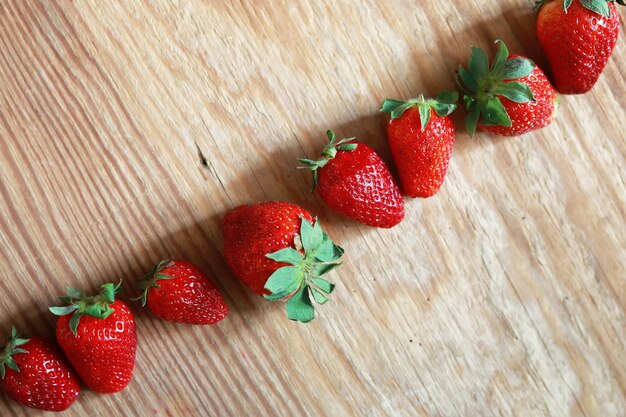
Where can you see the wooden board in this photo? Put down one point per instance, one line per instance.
(502, 296)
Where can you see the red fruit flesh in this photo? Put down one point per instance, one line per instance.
(45, 380)
(189, 297)
(422, 157)
(578, 44)
(532, 115)
(358, 184)
(103, 351)
(253, 231)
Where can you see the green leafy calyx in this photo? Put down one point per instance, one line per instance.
(483, 85)
(79, 304)
(300, 282)
(10, 349)
(151, 279)
(329, 152)
(600, 7)
(443, 105)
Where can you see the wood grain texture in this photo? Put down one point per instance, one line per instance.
(502, 296)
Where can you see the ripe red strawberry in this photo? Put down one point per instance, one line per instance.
(34, 373)
(354, 181)
(578, 37)
(178, 291)
(281, 252)
(510, 97)
(421, 136)
(98, 336)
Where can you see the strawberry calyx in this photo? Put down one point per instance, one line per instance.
(312, 256)
(600, 7)
(80, 304)
(329, 152)
(444, 104)
(9, 350)
(482, 86)
(151, 279)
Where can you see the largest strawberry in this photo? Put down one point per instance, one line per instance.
(353, 180)
(281, 253)
(577, 37)
(34, 373)
(98, 336)
(509, 97)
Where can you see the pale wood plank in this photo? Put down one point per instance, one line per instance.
(504, 295)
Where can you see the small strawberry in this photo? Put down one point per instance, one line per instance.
(98, 336)
(37, 376)
(354, 181)
(281, 253)
(578, 37)
(510, 97)
(421, 136)
(178, 291)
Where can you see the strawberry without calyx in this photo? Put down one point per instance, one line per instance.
(421, 136)
(281, 253)
(178, 291)
(354, 181)
(34, 373)
(98, 336)
(510, 97)
(578, 38)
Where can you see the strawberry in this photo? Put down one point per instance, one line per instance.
(98, 336)
(35, 374)
(578, 38)
(421, 136)
(178, 291)
(281, 253)
(354, 181)
(510, 97)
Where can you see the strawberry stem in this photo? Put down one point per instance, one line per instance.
(79, 304)
(150, 280)
(315, 255)
(329, 152)
(483, 85)
(9, 350)
(444, 105)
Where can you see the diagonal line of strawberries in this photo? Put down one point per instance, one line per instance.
(279, 249)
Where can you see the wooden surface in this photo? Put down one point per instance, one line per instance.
(502, 296)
